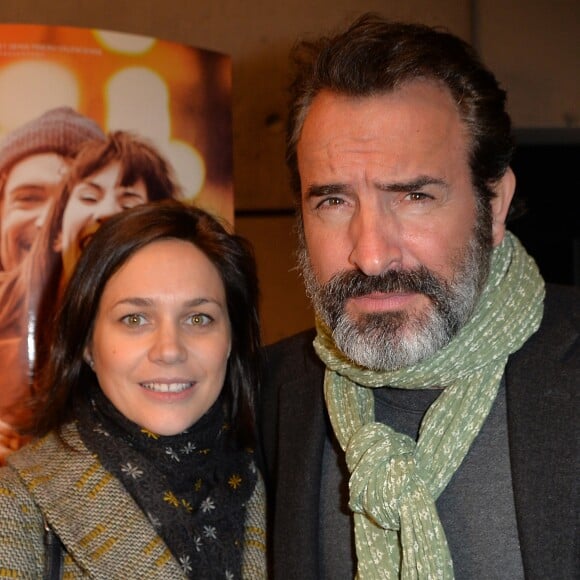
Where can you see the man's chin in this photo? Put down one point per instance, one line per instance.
(394, 323)
(23, 251)
(386, 327)
(388, 341)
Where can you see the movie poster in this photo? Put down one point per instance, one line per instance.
(80, 110)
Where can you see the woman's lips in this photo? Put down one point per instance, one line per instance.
(167, 387)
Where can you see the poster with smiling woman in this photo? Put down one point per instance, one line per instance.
(93, 122)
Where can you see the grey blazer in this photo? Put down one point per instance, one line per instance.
(542, 380)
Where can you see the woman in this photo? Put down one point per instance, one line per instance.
(108, 176)
(144, 412)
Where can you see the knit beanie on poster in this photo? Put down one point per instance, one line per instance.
(61, 130)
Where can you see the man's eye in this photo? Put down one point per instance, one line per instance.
(30, 198)
(418, 196)
(330, 201)
(133, 320)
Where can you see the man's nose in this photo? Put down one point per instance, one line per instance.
(376, 241)
(42, 214)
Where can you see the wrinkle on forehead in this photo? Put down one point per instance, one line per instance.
(399, 133)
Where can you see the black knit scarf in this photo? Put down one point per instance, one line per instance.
(193, 486)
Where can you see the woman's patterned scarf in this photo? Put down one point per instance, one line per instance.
(394, 480)
(192, 486)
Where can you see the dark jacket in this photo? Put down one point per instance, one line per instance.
(542, 380)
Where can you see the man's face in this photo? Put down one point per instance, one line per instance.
(397, 251)
(93, 200)
(31, 187)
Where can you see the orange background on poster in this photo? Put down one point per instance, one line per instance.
(198, 83)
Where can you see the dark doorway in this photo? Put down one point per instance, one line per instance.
(546, 164)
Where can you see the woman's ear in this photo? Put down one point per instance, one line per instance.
(88, 357)
(57, 244)
(504, 191)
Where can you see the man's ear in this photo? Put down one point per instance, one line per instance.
(504, 191)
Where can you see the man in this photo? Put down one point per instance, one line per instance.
(429, 429)
(33, 165)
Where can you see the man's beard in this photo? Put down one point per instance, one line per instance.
(391, 340)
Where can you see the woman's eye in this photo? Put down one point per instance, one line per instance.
(129, 199)
(133, 320)
(86, 194)
(200, 319)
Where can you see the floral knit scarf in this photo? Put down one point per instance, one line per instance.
(394, 480)
(193, 486)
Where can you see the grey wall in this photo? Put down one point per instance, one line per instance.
(532, 45)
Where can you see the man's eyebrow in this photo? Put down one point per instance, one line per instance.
(322, 190)
(413, 184)
(26, 186)
(327, 189)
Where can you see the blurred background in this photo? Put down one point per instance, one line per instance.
(533, 47)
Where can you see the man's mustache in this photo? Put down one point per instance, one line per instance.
(353, 284)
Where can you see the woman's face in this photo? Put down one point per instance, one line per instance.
(162, 337)
(93, 200)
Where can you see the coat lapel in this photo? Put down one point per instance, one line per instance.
(542, 382)
(98, 522)
(293, 405)
(299, 475)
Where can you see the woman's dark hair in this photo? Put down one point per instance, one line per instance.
(138, 159)
(64, 378)
(375, 56)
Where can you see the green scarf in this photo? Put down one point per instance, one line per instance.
(394, 481)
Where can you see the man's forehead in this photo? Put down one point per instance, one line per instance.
(421, 104)
(419, 86)
(42, 166)
(418, 120)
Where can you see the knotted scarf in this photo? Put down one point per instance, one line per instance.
(394, 480)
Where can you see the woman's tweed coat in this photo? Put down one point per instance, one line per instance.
(104, 532)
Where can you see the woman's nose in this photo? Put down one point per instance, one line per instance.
(107, 207)
(167, 345)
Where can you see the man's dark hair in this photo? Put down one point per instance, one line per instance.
(374, 56)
